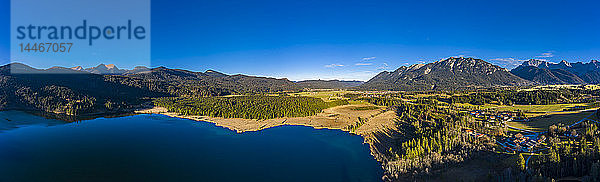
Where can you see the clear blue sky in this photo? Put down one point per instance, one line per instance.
(357, 39)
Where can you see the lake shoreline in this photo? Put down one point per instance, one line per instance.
(149, 147)
(380, 122)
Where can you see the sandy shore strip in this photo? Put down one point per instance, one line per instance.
(340, 117)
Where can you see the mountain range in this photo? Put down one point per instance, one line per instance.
(543, 72)
(77, 91)
(110, 69)
(446, 74)
(106, 88)
(451, 73)
(166, 74)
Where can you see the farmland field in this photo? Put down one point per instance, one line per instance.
(542, 123)
(325, 95)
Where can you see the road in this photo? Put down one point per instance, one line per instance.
(527, 162)
(584, 119)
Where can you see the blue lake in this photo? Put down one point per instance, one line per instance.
(161, 148)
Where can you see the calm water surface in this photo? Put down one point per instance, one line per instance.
(161, 148)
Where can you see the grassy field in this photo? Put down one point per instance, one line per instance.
(328, 96)
(542, 123)
(541, 116)
(539, 108)
(364, 108)
(325, 95)
(530, 110)
(486, 106)
(358, 102)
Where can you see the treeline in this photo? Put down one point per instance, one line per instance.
(510, 97)
(433, 138)
(56, 99)
(247, 107)
(570, 156)
(357, 124)
(68, 94)
(358, 96)
(175, 87)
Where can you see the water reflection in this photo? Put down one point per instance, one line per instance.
(160, 148)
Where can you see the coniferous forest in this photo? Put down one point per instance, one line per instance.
(247, 107)
(432, 136)
(436, 134)
(534, 97)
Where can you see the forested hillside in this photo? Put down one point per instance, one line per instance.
(77, 92)
(198, 84)
(429, 136)
(65, 93)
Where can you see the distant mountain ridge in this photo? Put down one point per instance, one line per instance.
(209, 83)
(66, 91)
(166, 80)
(446, 74)
(75, 91)
(451, 73)
(220, 79)
(544, 72)
(328, 84)
(102, 69)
